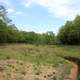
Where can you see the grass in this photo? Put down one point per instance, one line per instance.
(32, 53)
(42, 54)
(38, 54)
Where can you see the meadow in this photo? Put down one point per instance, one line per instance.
(36, 62)
(41, 53)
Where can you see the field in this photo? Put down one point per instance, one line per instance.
(32, 62)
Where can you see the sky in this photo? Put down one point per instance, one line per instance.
(41, 15)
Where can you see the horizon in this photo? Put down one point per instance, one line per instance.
(41, 15)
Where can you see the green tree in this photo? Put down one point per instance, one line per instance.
(70, 32)
(10, 34)
(3, 32)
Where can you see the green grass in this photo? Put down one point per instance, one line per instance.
(38, 54)
(32, 53)
(42, 54)
(72, 51)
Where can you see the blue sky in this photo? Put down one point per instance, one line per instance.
(41, 15)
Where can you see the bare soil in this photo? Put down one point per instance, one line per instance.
(74, 72)
(18, 70)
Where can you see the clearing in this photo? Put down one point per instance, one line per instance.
(31, 62)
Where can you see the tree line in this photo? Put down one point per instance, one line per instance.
(10, 34)
(69, 33)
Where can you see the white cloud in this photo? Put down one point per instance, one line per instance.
(38, 28)
(28, 4)
(14, 12)
(63, 9)
(4, 2)
(10, 10)
(66, 9)
(18, 13)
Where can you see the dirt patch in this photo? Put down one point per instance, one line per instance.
(74, 72)
(19, 70)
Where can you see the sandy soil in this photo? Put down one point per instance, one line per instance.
(19, 70)
(74, 72)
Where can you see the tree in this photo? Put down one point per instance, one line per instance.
(13, 34)
(70, 32)
(7, 29)
(10, 34)
(47, 38)
(3, 32)
(3, 15)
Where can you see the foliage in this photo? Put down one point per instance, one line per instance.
(70, 32)
(10, 34)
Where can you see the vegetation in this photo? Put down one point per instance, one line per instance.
(43, 60)
(43, 51)
(41, 54)
(10, 34)
(70, 32)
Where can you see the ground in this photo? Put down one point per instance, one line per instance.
(19, 70)
(31, 62)
(74, 71)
